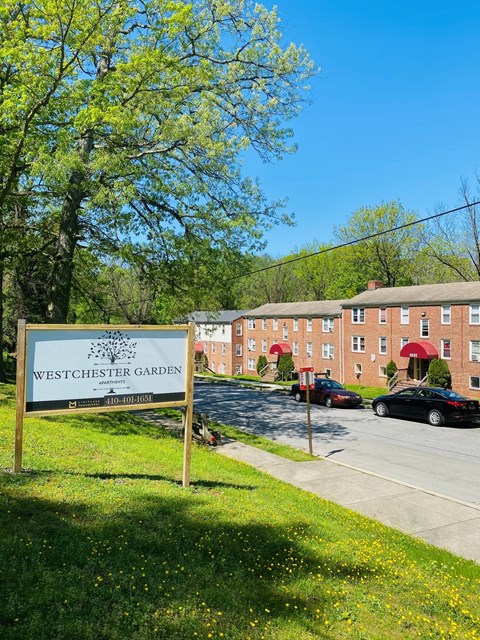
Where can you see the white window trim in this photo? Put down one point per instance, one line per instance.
(358, 340)
(444, 357)
(384, 352)
(427, 321)
(309, 325)
(472, 386)
(471, 356)
(358, 315)
(295, 324)
(380, 321)
(477, 313)
(404, 314)
(446, 318)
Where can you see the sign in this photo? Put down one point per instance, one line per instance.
(306, 378)
(85, 368)
(70, 369)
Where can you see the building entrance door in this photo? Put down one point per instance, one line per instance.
(419, 368)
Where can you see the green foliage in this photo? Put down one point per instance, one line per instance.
(285, 364)
(261, 363)
(439, 374)
(391, 369)
(99, 540)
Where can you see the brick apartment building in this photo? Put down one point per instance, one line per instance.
(310, 331)
(412, 325)
(353, 340)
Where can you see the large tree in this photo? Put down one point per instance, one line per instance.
(144, 162)
(379, 247)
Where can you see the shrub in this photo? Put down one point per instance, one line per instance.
(439, 374)
(285, 365)
(391, 370)
(262, 362)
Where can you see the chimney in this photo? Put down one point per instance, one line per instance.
(374, 284)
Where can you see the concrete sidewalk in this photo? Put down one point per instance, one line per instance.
(439, 520)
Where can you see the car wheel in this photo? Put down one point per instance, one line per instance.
(381, 410)
(435, 418)
(298, 396)
(328, 402)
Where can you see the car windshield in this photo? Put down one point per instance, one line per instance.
(330, 384)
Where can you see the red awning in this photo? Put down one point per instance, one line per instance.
(199, 347)
(423, 350)
(280, 349)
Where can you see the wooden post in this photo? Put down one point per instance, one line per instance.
(21, 338)
(187, 450)
(309, 425)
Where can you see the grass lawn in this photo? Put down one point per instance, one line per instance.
(99, 541)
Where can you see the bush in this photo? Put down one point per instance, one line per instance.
(439, 374)
(391, 370)
(285, 365)
(262, 362)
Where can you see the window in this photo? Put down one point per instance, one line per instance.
(295, 348)
(382, 345)
(403, 342)
(275, 324)
(358, 316)
(251, 323)
(264, 324)
(309, 349)
(224, 367)
(212, 366)
(404, 315)
(238, 328)
(474, 382)
(475, 350)
(475, 314)
(223, 329)
(251, 364)
(205, 347)
(251, 344)
(382, 371)
(238, 369)
(309, 325)
(295, 324)
(224, 349)
(285, 333)
(446, 314)
(424, 328)
(358, 368)
(327, 325)
(238, 349)
(446, 349)
(213, 348)
(358, 343)
(264, 346)
(327, 351)
(382, 315)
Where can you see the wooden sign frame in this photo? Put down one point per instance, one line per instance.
(22, 373)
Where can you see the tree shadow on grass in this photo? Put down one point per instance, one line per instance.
(164, 564)
(116, 424)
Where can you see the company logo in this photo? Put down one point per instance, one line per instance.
(113, 347)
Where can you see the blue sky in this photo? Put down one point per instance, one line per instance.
(395, 112)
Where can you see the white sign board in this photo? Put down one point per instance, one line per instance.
(104, 367)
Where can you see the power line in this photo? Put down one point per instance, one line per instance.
(351, 242)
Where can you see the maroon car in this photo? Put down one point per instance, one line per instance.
(328, 392)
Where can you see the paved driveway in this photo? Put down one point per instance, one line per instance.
(445, 460)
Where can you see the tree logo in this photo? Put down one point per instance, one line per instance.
(113, 346)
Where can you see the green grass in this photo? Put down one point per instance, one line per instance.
(99, 541)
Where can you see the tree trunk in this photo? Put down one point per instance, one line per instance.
(62, 272)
